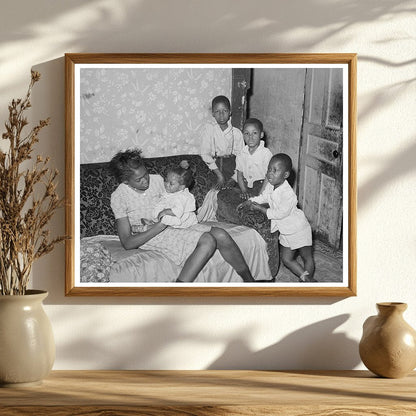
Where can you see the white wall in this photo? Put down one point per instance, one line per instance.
(198, 333)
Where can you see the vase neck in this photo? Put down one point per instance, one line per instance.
(389, 308)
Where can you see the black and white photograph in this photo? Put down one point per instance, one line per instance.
(210, 175)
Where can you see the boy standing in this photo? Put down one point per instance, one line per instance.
(221, 142)
(286, 217)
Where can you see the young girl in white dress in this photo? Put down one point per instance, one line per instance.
(176, 206)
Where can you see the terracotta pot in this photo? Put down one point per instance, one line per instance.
(27, 346)
(388, 345)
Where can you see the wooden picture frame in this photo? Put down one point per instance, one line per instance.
(342, 154)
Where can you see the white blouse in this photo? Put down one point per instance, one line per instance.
(135, 204)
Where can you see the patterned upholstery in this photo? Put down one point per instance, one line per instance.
(97, 185)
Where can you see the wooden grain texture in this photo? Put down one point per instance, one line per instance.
(203, 393)
(69, 174)
(213, 58)
(72, 59)
(257, 410)
(216, 291)
(352, 175)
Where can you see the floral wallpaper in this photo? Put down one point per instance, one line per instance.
(160, 110)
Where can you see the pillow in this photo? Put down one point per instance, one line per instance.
(95, 262)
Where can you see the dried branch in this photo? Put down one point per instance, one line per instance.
(23, 218)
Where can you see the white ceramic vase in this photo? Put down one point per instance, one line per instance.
(27, 346)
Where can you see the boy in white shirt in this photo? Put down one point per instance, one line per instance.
(252, 162)
(221, 142)
(251, 167)
(286, 217)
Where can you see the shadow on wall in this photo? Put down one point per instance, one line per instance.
(393, 169)
(314, 347)
(143, 347)
(152, 345)
(48, 100)
(106, 26)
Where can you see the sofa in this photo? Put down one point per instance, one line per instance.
(97, 220)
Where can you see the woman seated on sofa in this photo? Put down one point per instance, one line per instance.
(135, 198)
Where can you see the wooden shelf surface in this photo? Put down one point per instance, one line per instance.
(212, 392)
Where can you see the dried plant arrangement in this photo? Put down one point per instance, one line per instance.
(28, 199)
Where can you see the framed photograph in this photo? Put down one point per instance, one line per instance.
(211, 174)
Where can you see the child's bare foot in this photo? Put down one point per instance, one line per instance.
(306, 278)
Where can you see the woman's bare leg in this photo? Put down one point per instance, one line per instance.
(198, 259)
(232, 253)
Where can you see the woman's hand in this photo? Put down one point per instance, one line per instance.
(131, 241)
(146, 221)
(159, 226)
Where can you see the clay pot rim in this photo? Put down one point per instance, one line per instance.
(391, 303)
(391, 306)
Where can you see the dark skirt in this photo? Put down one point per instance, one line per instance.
(226, 164)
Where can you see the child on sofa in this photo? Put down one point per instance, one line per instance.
(286, 217)
(251, 166)
(221, 142)
(177, 205)
(252, 162)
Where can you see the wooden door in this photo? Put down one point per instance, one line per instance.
(241, 82)
(320, 172)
